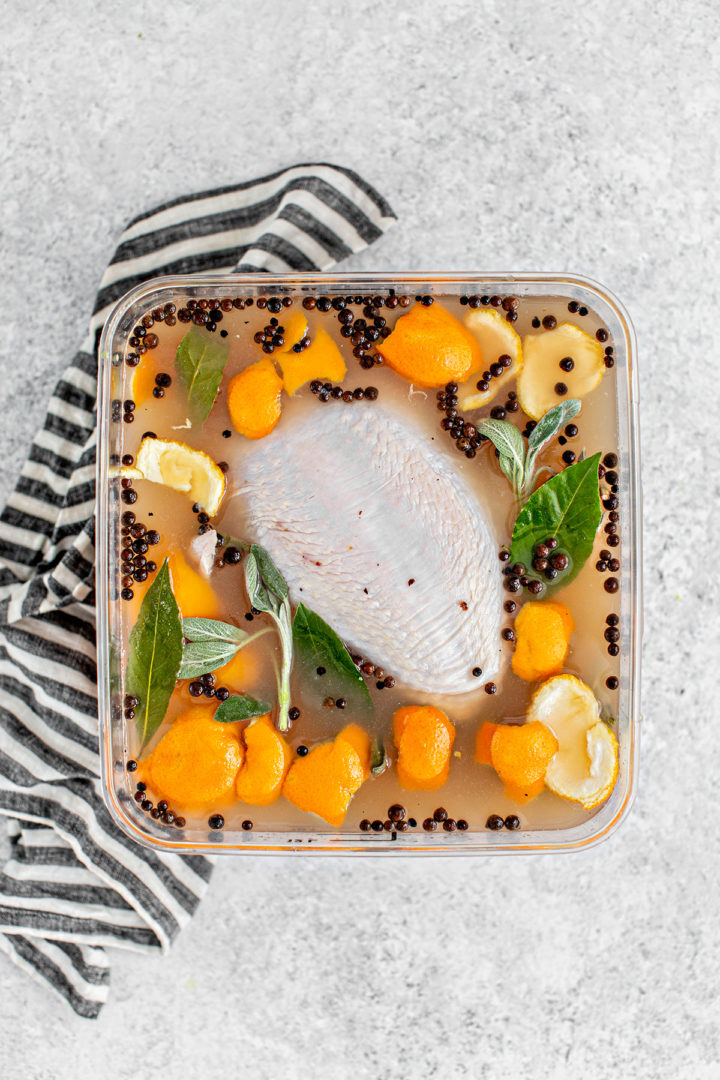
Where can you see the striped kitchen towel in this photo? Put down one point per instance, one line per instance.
(74, 883)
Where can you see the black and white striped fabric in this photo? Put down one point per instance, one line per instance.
(74, 883)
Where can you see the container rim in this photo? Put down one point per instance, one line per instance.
(322, 842)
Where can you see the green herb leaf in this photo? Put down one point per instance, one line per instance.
(551, 422)
(272, 579)
(212, 630)
(546, 428)
(568, 507)
(155, 653)
(507, 440)
(202, 657)
(258, 595)
(317, 645)
(240, 708)
(200, 362)
(267, 591)
(378, 760)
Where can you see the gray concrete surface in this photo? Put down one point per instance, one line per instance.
(540, 136)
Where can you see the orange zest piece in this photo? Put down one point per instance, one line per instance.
(295, 330)
(267, 760)
(520, 756)
(424, 738)
(196, 762)
(254, 400)
(195, 597)
(543, 630)
(359, 739)
(143, 381)
(483, 739)
(321, 360)
(430, 347)
(325, 781)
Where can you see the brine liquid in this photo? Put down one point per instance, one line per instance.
(472, 791)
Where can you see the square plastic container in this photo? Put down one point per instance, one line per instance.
(315, 839)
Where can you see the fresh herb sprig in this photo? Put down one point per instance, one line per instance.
(210, 643)
(267, 591)
(517, 463)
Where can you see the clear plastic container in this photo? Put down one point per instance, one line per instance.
(314, 838)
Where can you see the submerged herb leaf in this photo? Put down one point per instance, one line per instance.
(506, 439)
(551, 422)
(317, 645)
(240, 707)
(258, 595)
(267, 591)
(200, 362)
(202, 657)
(272, 579)
(546, 429)
(378, 760)
(212, 630)
(155, 650)
(566, 507)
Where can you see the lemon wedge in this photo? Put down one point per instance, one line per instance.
(178, 466)
(541, 371)
(585, 767)
(496, 337)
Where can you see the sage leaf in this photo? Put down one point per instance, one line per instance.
(202, 657)
(258, 595)
(552, 421)
(272, 578)
(200, 362)
(509, 470)
(506, 439)
(545, 430)
(155, 650)
(568, 507)
(267, 591)
(317, 645)
(212, 630)
(378, 759)
(239, 707)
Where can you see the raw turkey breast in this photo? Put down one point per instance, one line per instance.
(383, 538)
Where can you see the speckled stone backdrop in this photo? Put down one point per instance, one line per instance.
(550, 135)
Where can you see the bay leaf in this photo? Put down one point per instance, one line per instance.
(317, 645)
(155, 650)
(567, 507)
(200, 362)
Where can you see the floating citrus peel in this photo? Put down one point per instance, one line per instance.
(429, 347)
(326, 779)
(541, 373)
(564, 746)
(585, 768)
(179, 466)
(424, 739)
(543, 630)
(496, 337)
